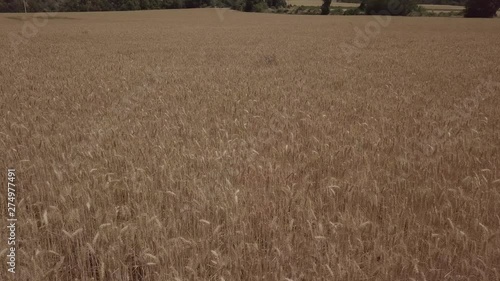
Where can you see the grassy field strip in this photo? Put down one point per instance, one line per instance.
(354, 5)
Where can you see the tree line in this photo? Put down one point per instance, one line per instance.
(473, 8)
(17, 6)
(14, 6)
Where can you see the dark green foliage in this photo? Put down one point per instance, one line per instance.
(276, 3)
(238, 5)
(481, 8)
(362, 5)
(325, 8)
(435, 2)
(130, 5)
(259, 5)
(255, 6)
(419, 11)
(144, 4)
(224, 3)
(389, 7)
(13, 6)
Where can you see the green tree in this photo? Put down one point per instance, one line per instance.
(481, 8)
(154, 4)
(276, 3)
(130, 5)
(325, 8)
(389, 7)
(144, 4)
(10, 6)
(71, 6)
(101, 5)
(255, 6)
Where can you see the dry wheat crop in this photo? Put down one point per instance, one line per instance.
(218, 145)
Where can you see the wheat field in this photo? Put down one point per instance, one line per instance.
(211, 144)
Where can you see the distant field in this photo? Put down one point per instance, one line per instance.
(218, 145)
(352, 5)
(443, 7)
(319, 3)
